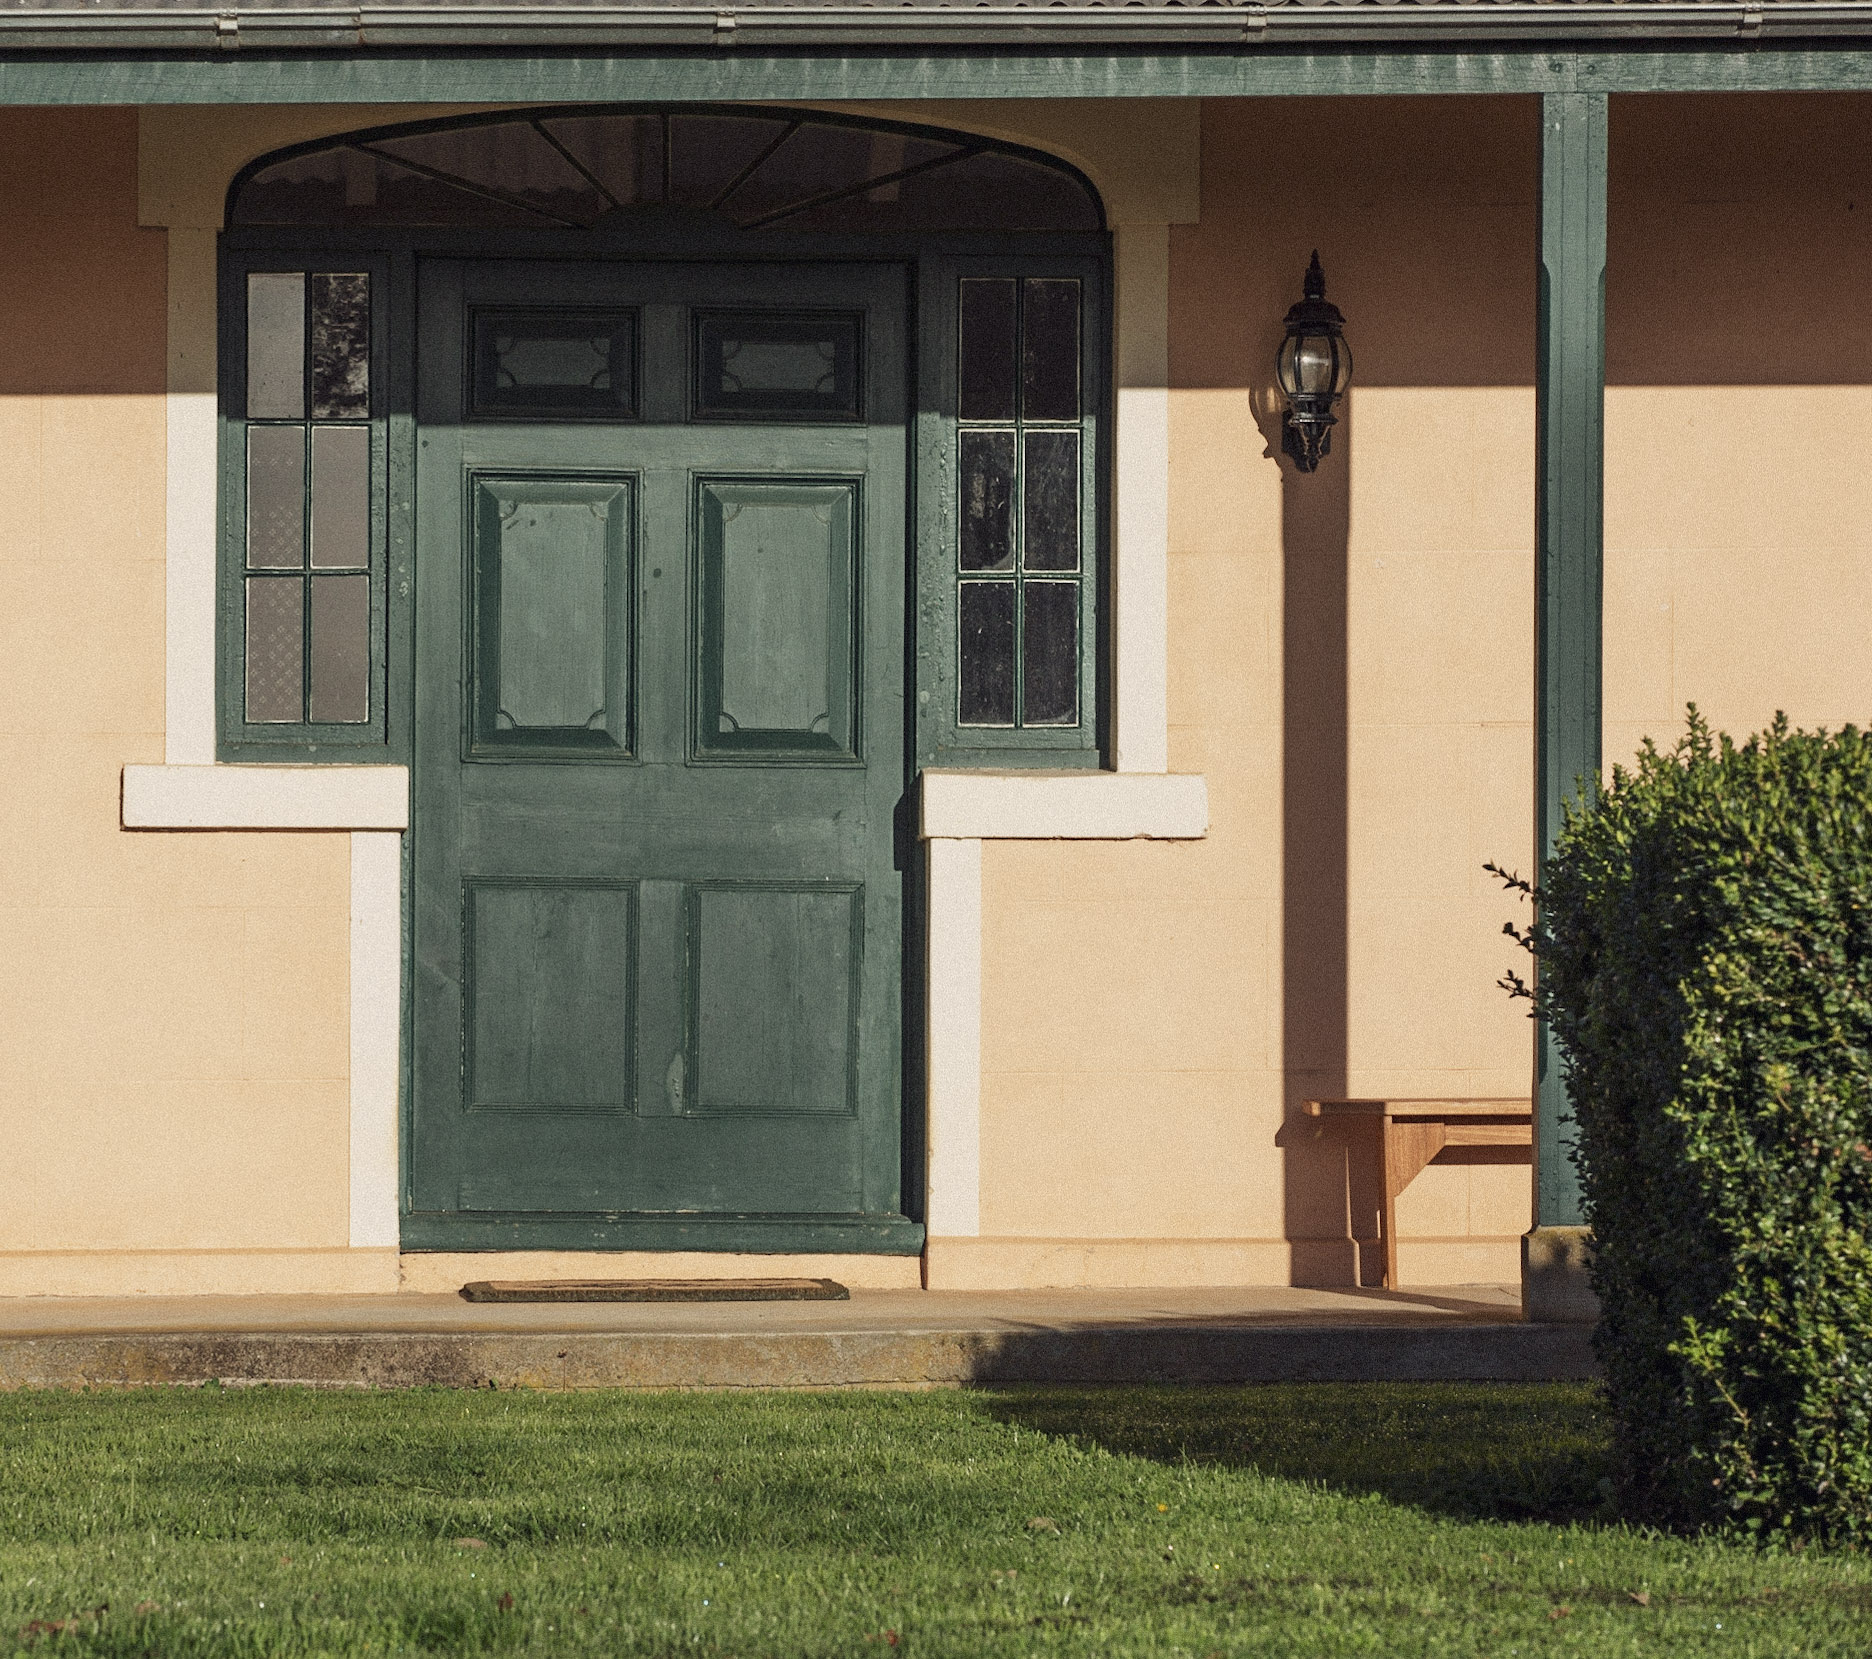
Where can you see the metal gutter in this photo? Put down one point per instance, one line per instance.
(571, 27)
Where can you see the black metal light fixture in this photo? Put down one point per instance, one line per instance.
(1314, 366)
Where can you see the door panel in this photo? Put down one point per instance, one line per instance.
(772, 1000)
(548, 970)
(660, 743)
(775, 583)
(552, 613)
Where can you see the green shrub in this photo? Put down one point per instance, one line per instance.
(1704, 941)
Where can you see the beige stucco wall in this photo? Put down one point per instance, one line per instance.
(173, 1015)
(1351, 661)
(1738, 414)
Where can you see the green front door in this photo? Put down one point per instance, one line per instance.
(659, 753)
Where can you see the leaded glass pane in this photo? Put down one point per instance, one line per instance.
(341, 499)
(275, 649)
(276, 345)
(341, 649)
(986, 518)
(769, 366)
(1050, 654)
(821, 179)
(509, 163)
(987, 649)
(708, 153)
(340, 345)
(558, 364)
(275, 497)
(1050, 349)
(624, 153)
(985, 390)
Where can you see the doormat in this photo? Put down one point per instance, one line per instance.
(655, 1290)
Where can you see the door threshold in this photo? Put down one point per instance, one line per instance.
(655, 1290)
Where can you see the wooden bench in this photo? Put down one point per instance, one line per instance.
(1406, 1135)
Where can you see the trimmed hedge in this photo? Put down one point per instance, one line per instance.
(1704, 941)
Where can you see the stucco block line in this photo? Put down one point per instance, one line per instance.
(954, 1039)
(1084, 806)
(266, 797)
(376, 990)
(1141, 483)
(189, 671)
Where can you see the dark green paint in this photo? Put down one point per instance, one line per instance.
(552, 585)
(941, 740)
(1570, 484)
(777, 619)
(237, 739)
(1380, 68)
(769, 1234)
(656, 992)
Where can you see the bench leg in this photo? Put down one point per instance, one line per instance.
(1408, 1147)
(1368, 1214)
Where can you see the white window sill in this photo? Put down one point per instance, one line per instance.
(266, 797)
(1064, 806)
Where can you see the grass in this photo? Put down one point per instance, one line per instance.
(1305, 1520)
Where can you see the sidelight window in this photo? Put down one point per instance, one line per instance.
(302, 482)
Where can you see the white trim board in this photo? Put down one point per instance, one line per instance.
(1064, 806)
(952, 1042)
(266, 797)
(376, 1034)
(1140, 564)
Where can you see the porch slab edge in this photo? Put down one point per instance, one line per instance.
(806, 1359)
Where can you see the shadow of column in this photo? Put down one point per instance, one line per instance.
(1316, 524)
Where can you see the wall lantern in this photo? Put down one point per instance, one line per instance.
(1314, 365)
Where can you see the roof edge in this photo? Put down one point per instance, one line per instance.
(568, 27)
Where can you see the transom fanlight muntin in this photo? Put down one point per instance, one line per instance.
(601, 166)
(1315, 366)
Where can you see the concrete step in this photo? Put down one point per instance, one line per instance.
(876, 1340)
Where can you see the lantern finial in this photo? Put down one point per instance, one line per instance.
(1315, 286)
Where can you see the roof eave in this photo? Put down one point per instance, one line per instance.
(805, 28)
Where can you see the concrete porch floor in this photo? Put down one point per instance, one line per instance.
(878, 1339)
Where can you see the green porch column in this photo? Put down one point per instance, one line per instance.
(1570, 470)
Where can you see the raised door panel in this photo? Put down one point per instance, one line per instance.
(552, 604)
(778, 638)
(549, 995)
(774, 994)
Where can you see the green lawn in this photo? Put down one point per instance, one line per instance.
(1305, 1520)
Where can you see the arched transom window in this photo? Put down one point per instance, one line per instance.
(574, 167)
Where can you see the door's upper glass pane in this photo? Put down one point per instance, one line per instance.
(761, 170)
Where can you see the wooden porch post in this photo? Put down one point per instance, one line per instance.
(1570, 466)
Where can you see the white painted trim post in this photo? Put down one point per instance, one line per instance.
(1141, 485)
(376, 1033)
(189, 664)
(953, 1039)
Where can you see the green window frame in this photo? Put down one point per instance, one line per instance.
(983, 445)
(305, 470)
